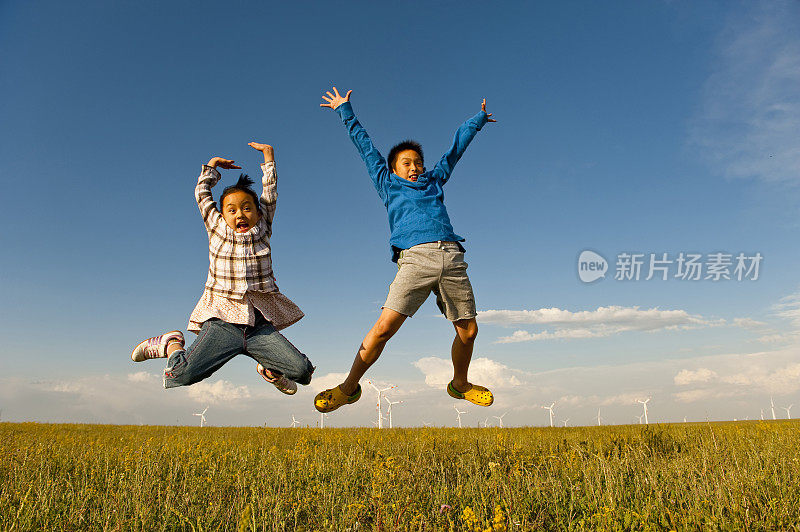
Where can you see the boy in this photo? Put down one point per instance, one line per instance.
(428, 253)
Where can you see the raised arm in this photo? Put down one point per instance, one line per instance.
(376, 164)
(210, 176)
(464, 135)
(269, 180)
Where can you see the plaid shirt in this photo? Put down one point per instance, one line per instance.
(238, 262)
(240, 277)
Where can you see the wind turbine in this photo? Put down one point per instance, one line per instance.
(390, 408)
(202, 416)
(772, 404)
(644, 404)
(788, 408)
(458, 412)
(294, 421)
(382, 418)
(565, 422)
(322, 416)
(500, 419)
(639, 418)
(762, 414)
(598, 417)
(378, 403)
(426, 424)
(485, 423)
(550, 408)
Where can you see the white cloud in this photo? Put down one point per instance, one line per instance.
(693, 396)
(323, 382)
(774, 337)
(725, 386)
(735, 383)
(141, 398)
(624, 399)
(754, 372)
(621, 399)
(749, 323)
(738, 376)
(611, 315)
(568, 334)
(65, 387)
(751, 110)
(602, 322)
(788, 308)
(570, 400)
(143, 376)
(686, 376)
(217, 392)
(785, 379)
(439, 371)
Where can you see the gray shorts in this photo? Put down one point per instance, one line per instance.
(436, 267)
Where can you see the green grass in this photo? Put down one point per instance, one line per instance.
(660, 477)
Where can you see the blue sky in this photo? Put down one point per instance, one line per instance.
(638, 127)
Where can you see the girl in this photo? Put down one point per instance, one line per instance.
(241, 309)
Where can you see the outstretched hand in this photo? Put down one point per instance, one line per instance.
(223, 163)
(266, 149)
(335, 100)
(489, 115)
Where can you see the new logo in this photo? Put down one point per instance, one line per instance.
(591, 266)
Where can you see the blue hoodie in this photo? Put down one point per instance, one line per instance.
(416, 208)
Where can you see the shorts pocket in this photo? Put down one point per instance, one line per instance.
(405, 258)
(458, 264)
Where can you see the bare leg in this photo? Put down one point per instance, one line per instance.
(388, 323)
(466, 331)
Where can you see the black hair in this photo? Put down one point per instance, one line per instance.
(407, 144)
(244, 184)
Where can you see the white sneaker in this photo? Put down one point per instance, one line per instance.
(287, 386)
(155, 347)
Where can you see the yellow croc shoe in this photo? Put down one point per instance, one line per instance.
(476, 394)
(330, 400)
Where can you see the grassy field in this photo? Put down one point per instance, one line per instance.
(657, 477)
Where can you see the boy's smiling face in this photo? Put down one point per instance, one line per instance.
(408, 165)
(240, 212)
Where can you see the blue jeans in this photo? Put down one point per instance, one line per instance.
(219, 341)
